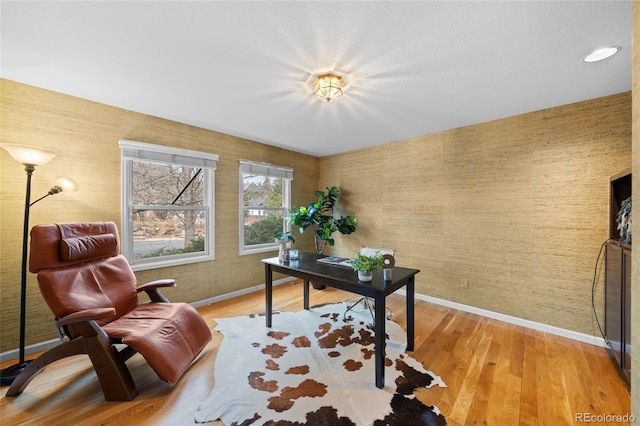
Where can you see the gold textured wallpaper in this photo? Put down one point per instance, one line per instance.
(85, 136)
(516, 207)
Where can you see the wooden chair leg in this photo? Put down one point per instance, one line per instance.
(73, 347)
(114, 376)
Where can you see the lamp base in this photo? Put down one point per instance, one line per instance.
(9, 374)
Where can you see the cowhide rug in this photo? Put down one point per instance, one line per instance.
(312, 368)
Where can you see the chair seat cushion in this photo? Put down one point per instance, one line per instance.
(158, 329)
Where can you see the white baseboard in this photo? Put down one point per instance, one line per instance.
(574, 335)
(28, 350)
(43, 346)
(239, 293)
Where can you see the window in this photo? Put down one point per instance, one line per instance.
(167, 205)
(265, 200)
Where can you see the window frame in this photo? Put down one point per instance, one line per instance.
(141, 151)
(270, 170)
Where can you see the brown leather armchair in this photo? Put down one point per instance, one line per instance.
(91, 289)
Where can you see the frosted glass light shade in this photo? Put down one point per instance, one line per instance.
(66, 184)
(328, 86)
(63, 184)
(28, 155)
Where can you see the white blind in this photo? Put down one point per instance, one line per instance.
(150, 152)
(265, 169)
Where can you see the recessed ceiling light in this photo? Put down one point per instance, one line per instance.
(601, 54)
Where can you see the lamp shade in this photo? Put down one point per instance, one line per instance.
(28, 155)
(66, 184)
(328, 86)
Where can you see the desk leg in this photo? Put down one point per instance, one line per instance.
(410, 313)
(380, 341)
(268, 291)
(306, 294)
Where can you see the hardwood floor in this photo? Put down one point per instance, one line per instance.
(496, 373)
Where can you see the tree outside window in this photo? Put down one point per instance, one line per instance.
(169, 211)
(167, 205)
(265, 203)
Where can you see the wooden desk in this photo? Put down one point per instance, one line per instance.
(309, 269)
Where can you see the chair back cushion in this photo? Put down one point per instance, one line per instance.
(79, 267)
(84, 242)
(89, 247)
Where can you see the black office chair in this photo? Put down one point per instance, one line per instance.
(367, 302)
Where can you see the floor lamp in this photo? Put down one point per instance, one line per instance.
(30, 157)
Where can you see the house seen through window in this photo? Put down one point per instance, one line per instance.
(168, 205)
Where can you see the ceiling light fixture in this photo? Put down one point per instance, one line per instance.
(328, 86)
(601, 54)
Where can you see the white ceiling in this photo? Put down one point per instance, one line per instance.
(246, 68)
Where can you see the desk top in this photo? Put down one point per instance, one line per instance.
(307, 267)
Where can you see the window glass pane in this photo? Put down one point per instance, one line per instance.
(260, 225)
(264, 205)
(168, 215)
(168, 232)
(262, 191)
(156, 184)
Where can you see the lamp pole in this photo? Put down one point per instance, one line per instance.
(9, 374)
(29, 168)
(30, 157)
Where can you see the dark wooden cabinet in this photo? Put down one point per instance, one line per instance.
(617, 310)
(626, 312)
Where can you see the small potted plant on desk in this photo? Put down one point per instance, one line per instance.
(365, 265)
(283, 239)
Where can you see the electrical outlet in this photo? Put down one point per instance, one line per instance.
(464, 284)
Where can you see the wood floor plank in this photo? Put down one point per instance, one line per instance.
(529, 396)
(496, 373)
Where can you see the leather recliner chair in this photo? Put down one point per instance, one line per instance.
(91, 289)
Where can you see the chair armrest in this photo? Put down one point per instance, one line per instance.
(167, 282)
(152, 289)
(85, 316)
(84, 322)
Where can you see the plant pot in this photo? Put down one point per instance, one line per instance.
(319, 250)
(365, 277)
(318, 286)
(283, 252)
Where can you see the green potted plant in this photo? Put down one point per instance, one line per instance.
(281, 236)
(365, 265)
(320, 217)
